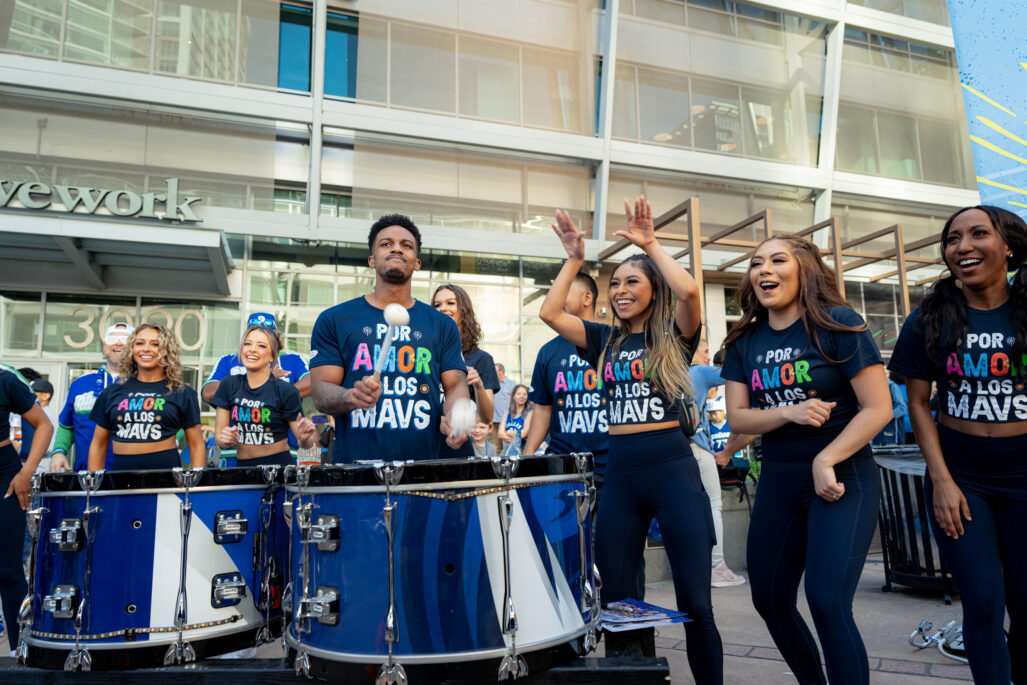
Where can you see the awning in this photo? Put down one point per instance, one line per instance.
(50, 251)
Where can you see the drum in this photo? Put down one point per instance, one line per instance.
(135, 569)
(485, 564)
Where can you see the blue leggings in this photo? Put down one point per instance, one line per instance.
(655, 474)
(989, 561)
(793, 530)
(12, 536)
(165, 459)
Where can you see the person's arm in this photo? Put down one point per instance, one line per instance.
(570, 327)
(871, 387)
(501, 429)
(21, 484)
(950, 505)
(303, 386)
(735, 442)
(482, 397)
(304, 430)
(642, 234)
(98, 449)
(331, 398)
(528, 413)
(539, 428)
(898, 404)
(209, 389)
(813, 412)
(454, 383)
(62, 444)
(197, 447)
(226, 436)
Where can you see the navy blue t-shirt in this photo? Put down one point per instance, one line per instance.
(980, 381)
(564, 380)
(631, 396)
(134, 411)
(16, 397)
(405, 422)
(481, 361)
(786, 367)
(262, 414)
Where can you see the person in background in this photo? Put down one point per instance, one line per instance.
(480, 439)
(907, 427)
(894, 432)
(44, 393)
(22, 434)
(501, 399)
(516, 421)
(75, 428)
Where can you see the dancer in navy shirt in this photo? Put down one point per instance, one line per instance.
(400, 416)
(970, 337)
(803, 370)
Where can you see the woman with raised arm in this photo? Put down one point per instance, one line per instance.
(642, 360)
(255, 410)
(482, 381)
(803, 370)
(970, 337)
(147, 407)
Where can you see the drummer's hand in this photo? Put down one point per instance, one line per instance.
(58, 463)
(21, 487)
(228, 436)
(307, 429)
(365, 393)
(453, 439)
(950, 507)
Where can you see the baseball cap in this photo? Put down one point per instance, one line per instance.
(117, 332)
(716, 404)
(261, 319)
(42, 385)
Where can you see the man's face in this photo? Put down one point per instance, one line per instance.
(579, 300)
(500, 373)
(702, 353)
(113, 345)
(394, 258)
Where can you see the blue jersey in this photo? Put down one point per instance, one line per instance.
(75, 415)
(229, 365)
(404, 424)
(784, 367)
(719, 435)
(565, 381)
(16, 397)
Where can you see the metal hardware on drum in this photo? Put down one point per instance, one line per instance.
(68, 535)
(268, 565)
(301, 514)
(323, 606)
(32, 521)
(512, 665)
(229, 526)
(226, 590)
(390, 673)
(64, 601)
(180, 651)
(79, 659)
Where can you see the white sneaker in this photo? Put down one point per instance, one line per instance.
(722, 576)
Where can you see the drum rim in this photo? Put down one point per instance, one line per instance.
(443, 485)
(81, 494)
(449, 657)
(157, 480)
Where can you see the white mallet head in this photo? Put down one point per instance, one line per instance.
(462, 415)
(396, 315)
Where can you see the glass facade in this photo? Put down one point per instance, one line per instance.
(934, 11)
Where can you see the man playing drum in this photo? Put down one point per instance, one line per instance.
(397, 414)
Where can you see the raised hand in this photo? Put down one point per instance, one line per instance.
(572, 239)
(640, 223)
(474, 379)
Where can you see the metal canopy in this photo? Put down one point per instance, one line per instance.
(52, 252)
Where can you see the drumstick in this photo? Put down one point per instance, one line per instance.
(395, 315)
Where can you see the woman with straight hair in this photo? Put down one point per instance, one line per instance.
(145, 409)
(969, 336)
(517, 420)
(256, 409)
(482, 381)
(642, 362)
(802, 369)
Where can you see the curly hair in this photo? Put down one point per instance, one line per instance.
(667, 352)
(168, 356)
(818, 292)
(470, 331)
(943, 310)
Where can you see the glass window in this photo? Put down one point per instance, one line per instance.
(294, 48)
(115, 33)
(939, 151)
(667, 11)
(708, 20)
(856, 140)
(35, 27)
(934, 11)
(206, 37)
(624, 119)
(898, 146)
(423, 68)
(716, 123)
(553, 97)
(205, 330)
(259, 30)
(341, 56)
(665, 118)
(766, 124)
(76, 324)
(488, 79)
(19, 324)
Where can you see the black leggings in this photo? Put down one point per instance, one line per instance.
(12, 536)
(793, 530)
(989, 561)
(284, 458)
(655, 474)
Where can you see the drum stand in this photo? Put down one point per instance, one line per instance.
(390, 673)
(33, 519)
(584, 505)
(182, 652)
(512, 666)
(266, 600)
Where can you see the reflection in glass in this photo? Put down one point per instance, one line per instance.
(423, 68)
(488, 79)
(766, 127)
(856, 141)
(294, 49)
(553, 97)
(665, 117)
(715, 118)
(116, 32)
(197, 38)
(341, 56)
(898, 146)
(19, 324)
(34, 28)
(624, 103)
(939, 152)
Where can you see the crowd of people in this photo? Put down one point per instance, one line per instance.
(800, 370)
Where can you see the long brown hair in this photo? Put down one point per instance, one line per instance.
(274, 339)
(470, 331)
(667, 352)
(170, 361)
(818, 292)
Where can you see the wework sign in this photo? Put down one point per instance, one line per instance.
(169, 205)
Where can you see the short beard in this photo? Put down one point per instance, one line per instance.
(395, 276)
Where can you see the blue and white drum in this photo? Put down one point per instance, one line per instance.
(136, 569)
(441, 562)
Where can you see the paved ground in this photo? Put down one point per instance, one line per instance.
(885, 621)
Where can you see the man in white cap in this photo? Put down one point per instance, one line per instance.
(74, 427)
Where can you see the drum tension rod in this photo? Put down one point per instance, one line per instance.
(79, 659)
(512, 665)
(33, 520)
(390, 673)
(180, 651)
